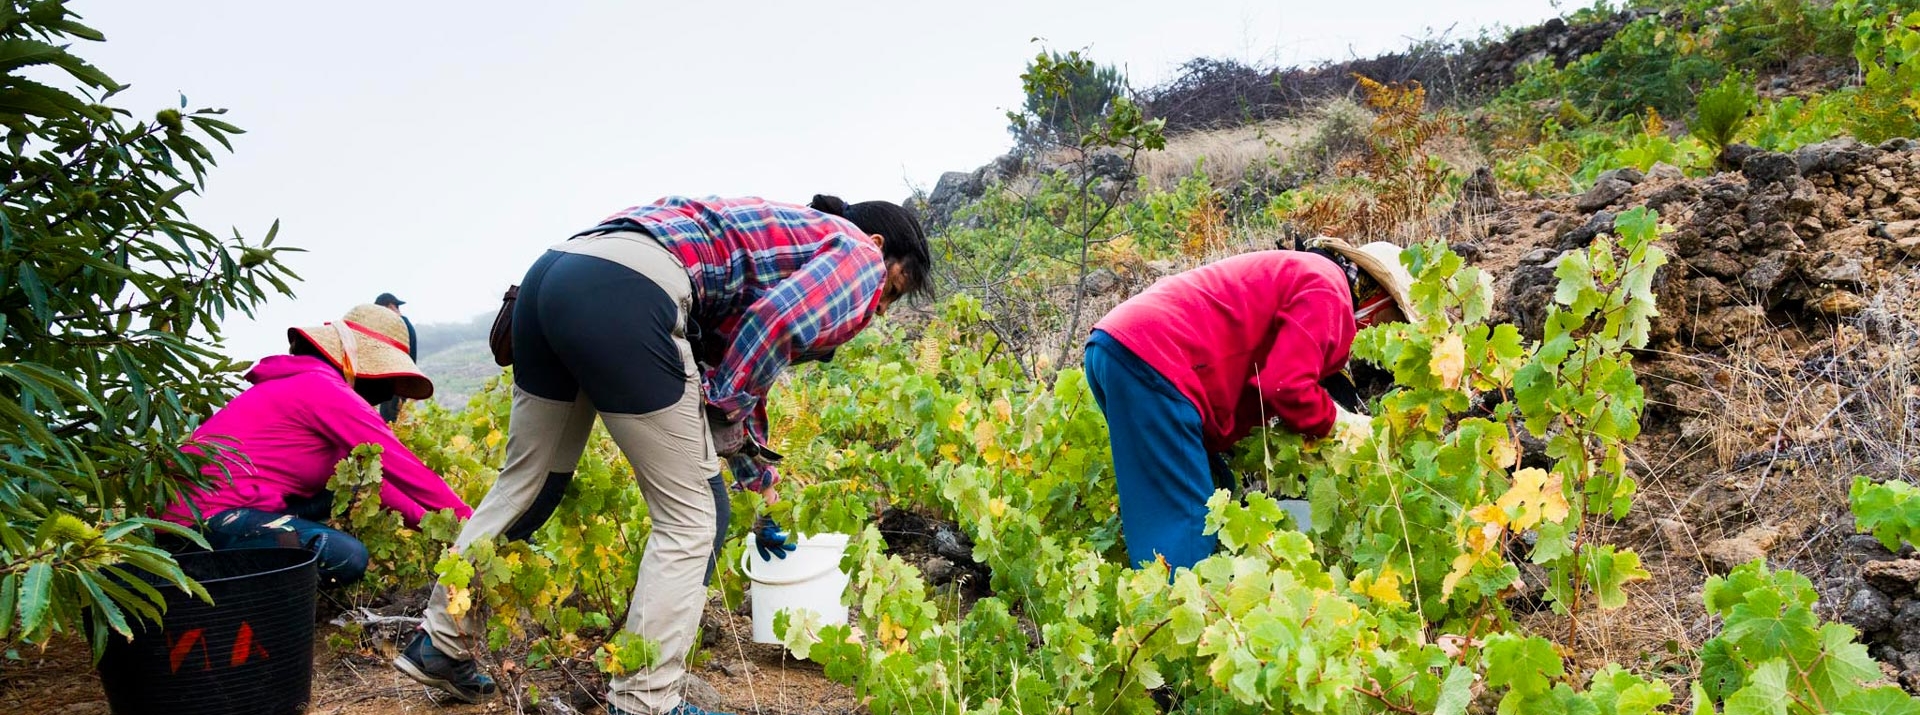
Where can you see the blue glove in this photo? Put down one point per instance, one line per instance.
(770, 540)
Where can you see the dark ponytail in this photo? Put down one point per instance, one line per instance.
(906, 243)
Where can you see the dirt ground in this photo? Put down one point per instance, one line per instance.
(748, 678)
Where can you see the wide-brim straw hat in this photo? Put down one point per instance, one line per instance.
(369, 343)
(1381, 261)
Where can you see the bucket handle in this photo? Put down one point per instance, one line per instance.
(746, 568)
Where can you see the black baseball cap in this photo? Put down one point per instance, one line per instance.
(388, 299)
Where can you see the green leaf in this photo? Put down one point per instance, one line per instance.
(1702, 703)
(1765, 692)
(1767, 626)
(9, 596)
(1884, 700)
(104, 607)
(1720, 673)
(36, 595)
(1456, 693)
(1526, 663)
(1609, 570)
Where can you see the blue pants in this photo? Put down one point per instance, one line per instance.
(342, 558)
(1159, 459)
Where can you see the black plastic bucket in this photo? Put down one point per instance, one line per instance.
(251, 652)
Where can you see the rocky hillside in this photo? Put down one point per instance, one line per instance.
(1783, 365)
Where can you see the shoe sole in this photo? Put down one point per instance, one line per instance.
(406, 667)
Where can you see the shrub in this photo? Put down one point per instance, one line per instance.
(1723, 109)
(110, 307)
(1647, 64)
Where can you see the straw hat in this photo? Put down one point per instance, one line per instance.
(369, 342)
(1381, 261)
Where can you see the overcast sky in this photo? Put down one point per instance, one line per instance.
(434, 149)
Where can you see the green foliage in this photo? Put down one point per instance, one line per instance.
(399, 557)
(1888, 510)
(1775, 656)
(1888, 104)
(1647, 64)
(1792, 122)
(1062, 224)
(110, 307)
(1067, 96)
(1723, 109)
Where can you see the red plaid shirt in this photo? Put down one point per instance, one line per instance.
(770, 280)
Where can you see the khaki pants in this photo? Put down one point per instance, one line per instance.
(672, 457)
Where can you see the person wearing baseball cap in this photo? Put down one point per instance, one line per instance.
(1193, 364)
(390, 410)
(274, 446)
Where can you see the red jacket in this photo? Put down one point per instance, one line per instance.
(1246, 339)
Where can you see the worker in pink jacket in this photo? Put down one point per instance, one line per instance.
(282, 437)
(1194, 363)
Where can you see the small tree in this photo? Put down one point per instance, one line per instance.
(110, 310)
(1067, 96)
(1081, 179)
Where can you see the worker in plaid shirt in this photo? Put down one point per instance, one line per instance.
(623, 321)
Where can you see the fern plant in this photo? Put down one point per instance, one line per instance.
(1724, 109)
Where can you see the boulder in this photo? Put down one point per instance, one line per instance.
(1863, 548)
(1836, 268)
(1625, 173)
(1725, 554)
(1539, 256)
(1832, 157)
(1766, 274)
(1602, 195)
(1663, 171)
(1769, 168)
(1730, 325)
(1838, 304)
(699, 693)
(1100, 282)
(1895, 577)
(1582, 236)
(1735, 155)
(1895, 230)
(1869, 610)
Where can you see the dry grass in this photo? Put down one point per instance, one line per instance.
(1226, 155)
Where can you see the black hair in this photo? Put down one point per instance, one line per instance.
(906, 242)
(1347, 267)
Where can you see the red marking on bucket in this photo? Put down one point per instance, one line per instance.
(244, 647)
(178, 650)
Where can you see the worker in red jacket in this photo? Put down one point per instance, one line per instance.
(1193, 364)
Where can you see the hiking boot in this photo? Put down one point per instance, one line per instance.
(684, 708)
(458, 678)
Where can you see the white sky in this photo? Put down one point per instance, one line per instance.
(434, 149)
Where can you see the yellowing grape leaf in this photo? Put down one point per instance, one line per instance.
(459, 601)
(1462, 565)
(1382, 588)
(957, 421)
(1535, 496)
(1449, 361)
(1505, 453)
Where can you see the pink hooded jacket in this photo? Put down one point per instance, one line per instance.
(297, 421)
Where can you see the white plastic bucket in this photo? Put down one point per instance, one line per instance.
(808, 578)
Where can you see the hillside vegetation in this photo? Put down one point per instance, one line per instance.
(1666, 256)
